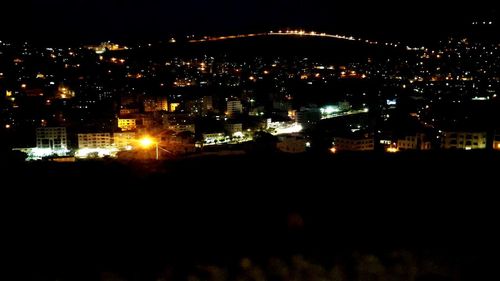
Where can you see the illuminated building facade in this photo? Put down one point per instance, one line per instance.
(416, 142)
(496, 141)
(124, 139)
(127, 124)
(94, 140)
(234, 107)
(54, 138)
(178, 128)
(155, 104)
(464, 140)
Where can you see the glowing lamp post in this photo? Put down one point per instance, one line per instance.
(147, 142)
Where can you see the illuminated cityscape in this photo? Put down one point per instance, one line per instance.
(277, 140)
(190, 102)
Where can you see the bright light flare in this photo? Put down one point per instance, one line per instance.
(146, 142)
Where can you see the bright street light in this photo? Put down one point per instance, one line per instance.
(147, 142)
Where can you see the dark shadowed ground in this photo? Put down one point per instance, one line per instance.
(150, 220)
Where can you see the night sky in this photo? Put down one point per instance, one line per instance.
(147, 19)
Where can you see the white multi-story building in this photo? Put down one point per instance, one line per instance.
(52, 137)
(94, 140)
(464, 140)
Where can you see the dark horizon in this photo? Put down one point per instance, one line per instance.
(75, 21)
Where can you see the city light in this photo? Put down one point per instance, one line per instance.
(146, 142)
(392, 149)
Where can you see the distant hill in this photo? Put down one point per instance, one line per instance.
(328, 49)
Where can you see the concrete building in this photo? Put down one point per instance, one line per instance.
(208, 105)
(416, 142)
(232, 128)
(178, 128)
(308, 116)
(128, 111)
(354, 144)
(52, 137)
(178, 122)
(292, 144)
(234, 107)
(127, 124)
(155, 104)
(496, 141)
(173, 106)
(94, 140)
(124, 139)
(464, 140)
(213, 138)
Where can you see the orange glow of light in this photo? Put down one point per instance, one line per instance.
(392, 149)
(146, 142)
(333, 150)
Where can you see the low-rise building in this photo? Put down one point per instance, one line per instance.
(292, 144)
(415, 142)
(123, 140)
(233, 128)
(464, 140)
(354, 144)
(54, 138)
(127, 124)
(178, 128)
(94, 140)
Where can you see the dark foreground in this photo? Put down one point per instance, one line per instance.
(346, 217)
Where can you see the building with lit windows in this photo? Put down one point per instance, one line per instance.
(94, 140)
(54, 138)
(416, 142)
(464, 140)
(234, 107)
(178, 128)
(207, 102)
(496, 141)
(124, 139)
(127, 124)
(155, 104)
